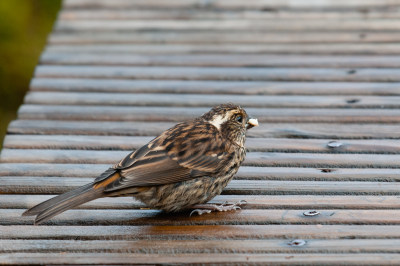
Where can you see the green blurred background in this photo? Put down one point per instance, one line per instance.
(24, 26)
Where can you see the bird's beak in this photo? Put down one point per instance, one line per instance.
(253, 122)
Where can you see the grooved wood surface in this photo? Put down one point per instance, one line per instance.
(322, 77)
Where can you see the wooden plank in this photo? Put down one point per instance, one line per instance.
(179, 114)
(292, 4)
(282, 159)
(171, 101)
(129, 232)
(57, 185)
(312, 72)
(245, 172)
(201, 246)
(51, 170)
(237, 49)
(221, 60)
(222, 37)
(214, 87)
(83, 128)
(245, 216)
(82, 142)
(187, 14)
(224, 25)
(219, 73)
(24, 201)
(40, 185)
(75, 142)
(240, 258)
(274, 130)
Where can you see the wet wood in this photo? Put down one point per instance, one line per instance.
(214, 87)
(275, 130)
(224, 25)
(51, 185)
(230, 49)
(284, 159)
(213, 60)
(252, 144)
(250, 231)
(219, 73)
(171, 101)
(188, 14)
(245, 172)
(245, 258)
(201, 246)
(222, 37)
(155, 217)
(269, 115)
(321, 77)
(297, 4)
(24, 201)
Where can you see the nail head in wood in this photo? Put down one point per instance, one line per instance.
(297, 243)
(334, 144)
(311, 213)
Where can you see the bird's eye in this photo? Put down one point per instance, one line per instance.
(239, 118)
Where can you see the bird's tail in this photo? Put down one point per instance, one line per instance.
(45, 210)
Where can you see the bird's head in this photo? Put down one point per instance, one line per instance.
(231, 120)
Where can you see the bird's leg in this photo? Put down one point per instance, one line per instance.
(207, 208)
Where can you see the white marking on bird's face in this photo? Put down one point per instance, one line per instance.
(219, 120)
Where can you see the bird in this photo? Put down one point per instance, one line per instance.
(183, 168)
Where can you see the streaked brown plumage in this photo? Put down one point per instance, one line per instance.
(186, 165)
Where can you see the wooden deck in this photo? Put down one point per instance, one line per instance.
(322, 173)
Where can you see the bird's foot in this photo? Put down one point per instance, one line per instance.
(207, 208)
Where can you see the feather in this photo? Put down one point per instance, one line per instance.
(61, 203)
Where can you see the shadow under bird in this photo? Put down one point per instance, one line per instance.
(183, 168)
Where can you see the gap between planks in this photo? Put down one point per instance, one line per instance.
(220, 73)
(25, 201)
(198, 4)
(244, 173)
(257, 104)
(123, 113)
(121, 26)
(209, 37)
(244, 217)
(82, 142)
(57, 185)
(265, 130)
(228, 48)
(222, 60)
(210, 87)
(317, 5)
(198, 232)
(202, 246)
(27, 258)
(270, 159)
(85, 13)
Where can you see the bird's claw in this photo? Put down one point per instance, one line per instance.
(231, 207)
(199, 212)
(208, 208)
(241, 202)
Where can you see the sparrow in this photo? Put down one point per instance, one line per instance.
(183, 168)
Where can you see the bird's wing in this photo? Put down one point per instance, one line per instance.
(172, 157)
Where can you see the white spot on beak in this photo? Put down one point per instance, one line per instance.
(253, 122)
